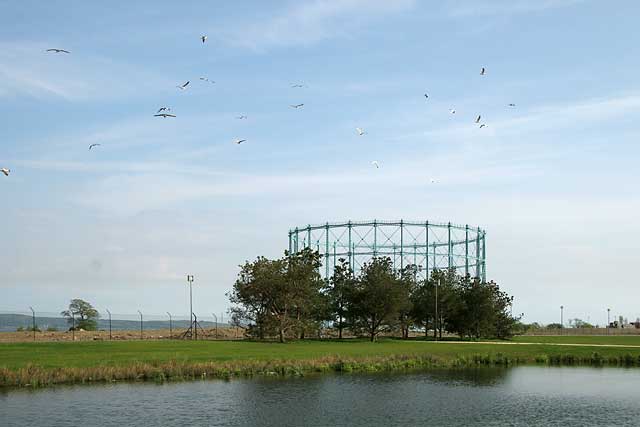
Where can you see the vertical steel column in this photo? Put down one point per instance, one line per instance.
(449, 245)
(435, 260)
(415, 254)
(290, 242)
(478, 253)
(401, 244)
(326, 250)
(334, 255)
(296, 241)
(349, 252)
(426, 248)
(466, 250)
(309, 236)
(484, 257)
(375, 238)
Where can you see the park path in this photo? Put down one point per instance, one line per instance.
(537, 343)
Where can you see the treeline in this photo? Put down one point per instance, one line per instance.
(287, 298)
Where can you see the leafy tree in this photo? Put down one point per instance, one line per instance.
(338, 291)
(377, 298)
(554, 326)
(408, 284)
(423, 305)
(86, 317)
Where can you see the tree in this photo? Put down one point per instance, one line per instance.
(82, 314)
(408, 283)
(338, 291)
(377, 297)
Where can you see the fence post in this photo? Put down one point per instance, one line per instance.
(33, 314)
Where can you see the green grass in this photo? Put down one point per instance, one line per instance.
(54, 362)
(567, 339)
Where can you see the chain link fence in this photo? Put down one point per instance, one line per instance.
(52, 326)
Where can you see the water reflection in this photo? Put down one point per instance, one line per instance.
(487, 397)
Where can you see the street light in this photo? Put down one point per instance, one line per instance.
(216, 318)
(190, 280)
(109, 324)
(33, 314)
(170, 325)
(561, 318)
(608, 321)
(435, 323)
(140, 313)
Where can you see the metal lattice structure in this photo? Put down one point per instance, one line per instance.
(428, 245)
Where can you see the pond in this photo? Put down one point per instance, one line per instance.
(485, 397)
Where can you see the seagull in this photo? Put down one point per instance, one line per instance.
(5, 171)
(203, 38)
(482, 125)
(478, 118)
(241, 117)
(183, 86)
(58, 50)
(296, 106)
(161, 109)
(433, 180)
(375, 163)
(93, 145)
(511, 105)
(482, 71)
(361, 131)
(297, 85)
(426, 96)
(239, 141)
(204, 79)
(452, 111)
(165, 115)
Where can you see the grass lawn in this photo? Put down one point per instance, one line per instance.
(123, 353)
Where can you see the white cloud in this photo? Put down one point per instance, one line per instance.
(313, 21)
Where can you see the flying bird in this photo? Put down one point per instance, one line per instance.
(241, 117)
(204, 79)
(161, 109)
(183, 86)
(482, 125)
(426, 96)
(452, 110)
(58, 51)
(512, 105)
(361, 131)
(478, 118)
(164, 115)
(203, 38)
(375, 163)
(295, 85)
(296, 105)
(93, 145)
(239, 141)
(432, 180)
(5, 171)
(483, 71)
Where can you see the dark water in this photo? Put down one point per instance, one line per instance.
(523, 396)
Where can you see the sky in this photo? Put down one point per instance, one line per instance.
(553, 180)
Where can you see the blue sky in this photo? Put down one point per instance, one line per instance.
(553, 181)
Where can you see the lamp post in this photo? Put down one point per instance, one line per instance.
(561, 319)
(190, 281)
(73, 325)
(216, 319)
(140, 313)
(435, 323)
(608, 321)
(33, 327)
(109, 324)
(170, 325)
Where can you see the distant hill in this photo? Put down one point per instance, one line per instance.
(11, 322)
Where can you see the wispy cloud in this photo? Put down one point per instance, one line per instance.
(505, 7)
(26, 69)
(310, 22)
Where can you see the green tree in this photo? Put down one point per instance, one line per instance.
(82, 314)
(408, 283)
(338, 291)
(377, 298)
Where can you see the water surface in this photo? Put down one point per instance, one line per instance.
(521, 396)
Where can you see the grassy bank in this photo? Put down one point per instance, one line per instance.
(40, 364)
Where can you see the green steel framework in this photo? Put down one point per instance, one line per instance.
(428, 245)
